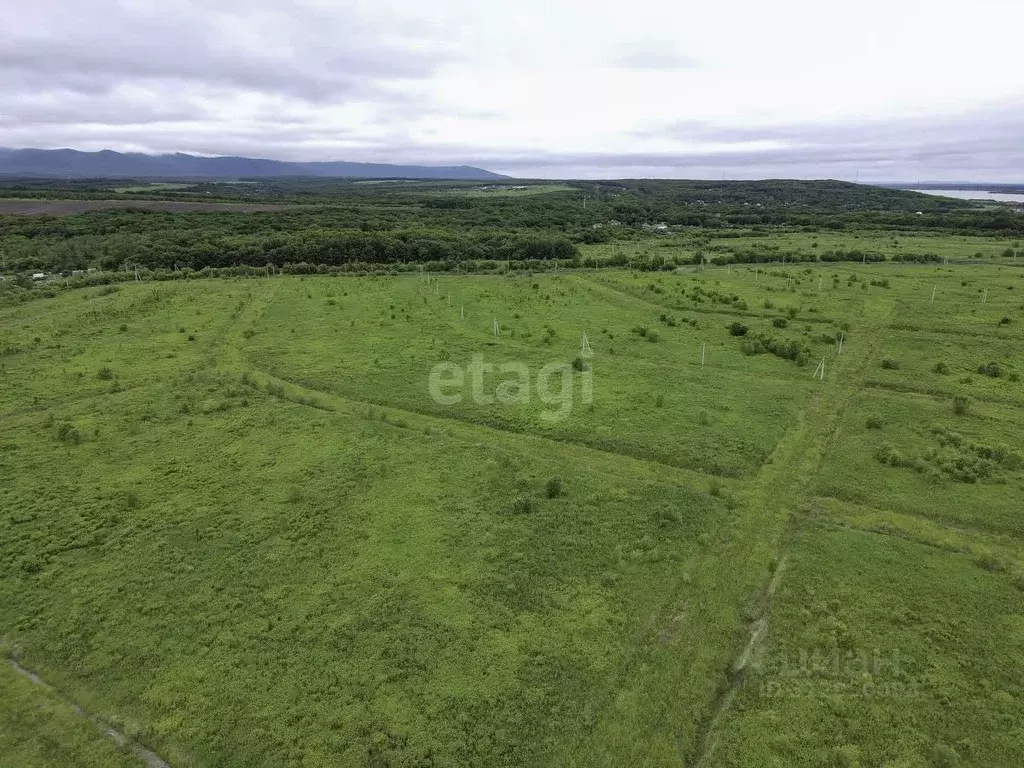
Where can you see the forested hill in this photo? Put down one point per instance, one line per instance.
(108, 164)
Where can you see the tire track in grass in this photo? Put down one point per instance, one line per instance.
(474, 432)
(231, 357)
(148, 756)
(782, 486)
(228, 331)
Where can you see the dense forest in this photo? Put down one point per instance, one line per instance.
(339, 223)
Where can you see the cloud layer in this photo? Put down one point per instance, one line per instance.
(893, 89)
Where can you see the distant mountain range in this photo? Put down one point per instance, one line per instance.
(71, 163)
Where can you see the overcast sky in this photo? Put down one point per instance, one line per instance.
(875, 89)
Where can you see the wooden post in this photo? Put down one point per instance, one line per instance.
(703, 352)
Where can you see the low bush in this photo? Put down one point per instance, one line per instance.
(524, 505)
(887, 454)
(992, 369)
(787, 349)
(579, 363)
(68, 434)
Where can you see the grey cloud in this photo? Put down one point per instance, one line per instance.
(658, 57)
(997, 127)
(948, 154)
(982, 146)
(108, 75)
(304, 53)
(984, 142)
(109, 109)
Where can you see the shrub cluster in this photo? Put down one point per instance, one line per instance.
(788, 349)
(992, 369)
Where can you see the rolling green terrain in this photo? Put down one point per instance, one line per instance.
(236, 524)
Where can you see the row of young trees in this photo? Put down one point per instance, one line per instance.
(658, 261)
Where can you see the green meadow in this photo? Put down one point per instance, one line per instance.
(773, 519)
(897, 245)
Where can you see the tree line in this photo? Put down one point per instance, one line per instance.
(199, 249)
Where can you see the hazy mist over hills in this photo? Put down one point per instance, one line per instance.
(106, 163)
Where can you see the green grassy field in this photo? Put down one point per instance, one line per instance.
(237, 525)
(532, 189)
(893, 245)
(156, 186)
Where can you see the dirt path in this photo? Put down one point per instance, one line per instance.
(150, 758)
(781, 487)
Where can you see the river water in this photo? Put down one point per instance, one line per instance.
(973, 194)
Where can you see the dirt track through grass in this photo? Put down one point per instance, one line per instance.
(268, 448)
(150, 758)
